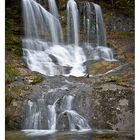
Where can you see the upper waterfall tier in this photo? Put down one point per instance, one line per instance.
(44, 47)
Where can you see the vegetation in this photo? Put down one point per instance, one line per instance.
(36, 78)
(10, 73)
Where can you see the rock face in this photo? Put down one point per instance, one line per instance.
(105, 104)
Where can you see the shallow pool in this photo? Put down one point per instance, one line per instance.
(89, 135)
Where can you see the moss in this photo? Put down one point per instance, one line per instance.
(120, 78)
(10, 73)
(101, 67)
(37, 78)
(114, 78)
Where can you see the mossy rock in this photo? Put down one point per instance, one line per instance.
(34, 78)
(123, 76)
(101, 67)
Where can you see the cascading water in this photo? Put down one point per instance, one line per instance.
(93, 23)
(72, 22)
(53, 8)
(45, 51)
(35, 18)
(76, 121)
(100, 29)
(43, 44)
(43, 116)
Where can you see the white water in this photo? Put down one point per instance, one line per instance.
(52, 60)
(86, 20)
(33, 118)
(51, 117)
(46, 52)
(67, 102)
(100, 28)
(37, 117)
(53, 8)
(94, 28)
(43, 45)
(39, 23)
(49, 58)
(76, 121)
(35, 132)
(72, 22)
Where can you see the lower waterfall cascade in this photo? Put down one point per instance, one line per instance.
(40, 116)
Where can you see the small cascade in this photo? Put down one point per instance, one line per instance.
(38, 117)
(53, 8)
(35, 18)
(94, 29)
(88, 13)
(100, 28)
(72, 22)
(67, 102)
(33, 116)
(76, 121)
(51, 117)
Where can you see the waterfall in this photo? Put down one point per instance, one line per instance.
(67, 102)
(33, 116)
(51, 117)
(37, 119)
(72, 22)
(101, 34)
(76, 121)
(53, 7)
(35, 18)
(46, 51)
(41, 45)
(93, 23)
(87, 19)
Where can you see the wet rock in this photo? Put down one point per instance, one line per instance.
(63, 122)
(120, 23)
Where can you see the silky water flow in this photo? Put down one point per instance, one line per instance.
(46, 51)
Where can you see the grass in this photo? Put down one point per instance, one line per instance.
(10, 73)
